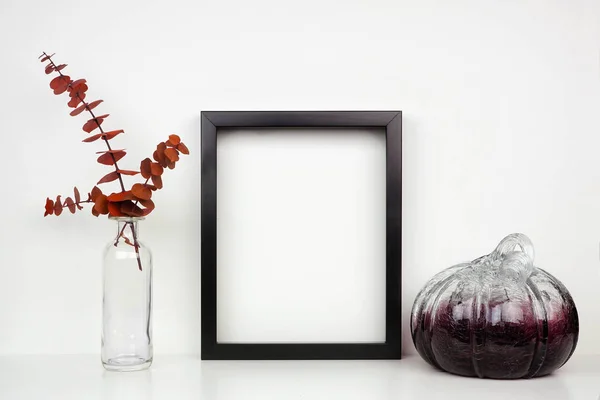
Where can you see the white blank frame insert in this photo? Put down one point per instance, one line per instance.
(301, 235)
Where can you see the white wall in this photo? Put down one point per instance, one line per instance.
(500, 102)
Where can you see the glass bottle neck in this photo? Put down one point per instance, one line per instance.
(128, 229)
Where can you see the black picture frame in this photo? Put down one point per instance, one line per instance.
(211, 122)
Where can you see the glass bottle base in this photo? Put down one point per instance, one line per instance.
(126, 363)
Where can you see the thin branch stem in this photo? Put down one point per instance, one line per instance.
(77, 203)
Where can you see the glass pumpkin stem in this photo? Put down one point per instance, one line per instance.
(510, 243)
(513, 261)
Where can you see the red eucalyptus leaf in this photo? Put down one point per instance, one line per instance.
(95, 193)
(156, 169)
(106, 159)
(113, 151)
(111, 158)
(171, 165)
(78, 110)
(54, 83)
(183, 148)
(173, 140)
(157, 180)
(60, 90)
(60, 84)
(172, 154)
(159, 154)
(141, 192)
(74, 102)
(129, 208)
(77, 82)
(94, 104)
(111, 134)
(78, 91)
(164, 161)
(49, 207)
(46, 58)
(113, 176)
(92, 124)
(58, 206)
(60, 81)
(77, 197)
(128, 172)
(61, 67)
(94, 212)
(147, 204)
(101, 204)
(145, 168)
(114, 209)
(92, 138)
(121, 196)
(49, 69)
(71, 204)
(160, 157)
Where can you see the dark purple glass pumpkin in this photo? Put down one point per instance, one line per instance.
(496, 317)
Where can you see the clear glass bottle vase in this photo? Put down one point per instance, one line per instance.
(127, 300)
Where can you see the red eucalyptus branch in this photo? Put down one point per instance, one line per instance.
(113, 156)
(88, 127)
(123, 203)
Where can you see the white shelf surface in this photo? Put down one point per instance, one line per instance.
(82, 377)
